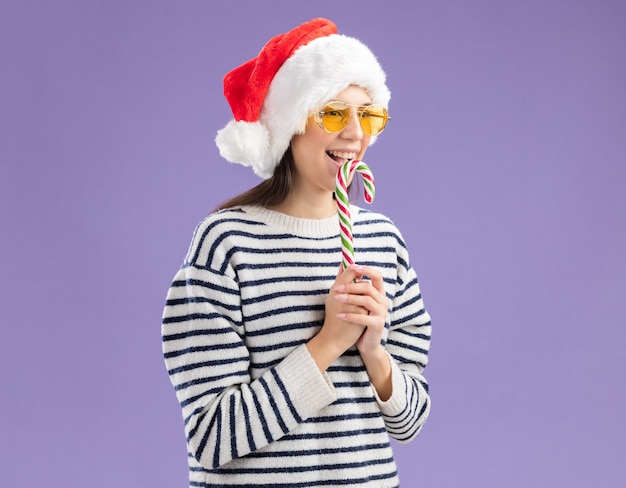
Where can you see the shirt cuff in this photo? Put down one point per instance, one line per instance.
(397, 402)
(308, 388)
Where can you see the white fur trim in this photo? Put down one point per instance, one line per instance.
(245, 143)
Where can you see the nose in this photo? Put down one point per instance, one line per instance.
(353, 130)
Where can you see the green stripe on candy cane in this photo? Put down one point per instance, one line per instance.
(343, 204)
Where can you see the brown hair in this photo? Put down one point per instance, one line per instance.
(270, 192)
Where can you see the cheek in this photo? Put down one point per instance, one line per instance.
(313, 139)
(301, 151)
(299, 146)
(366, 143)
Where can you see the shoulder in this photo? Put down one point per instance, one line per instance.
(230, 218)
(366, 221)
(378, 231)
(216, 230)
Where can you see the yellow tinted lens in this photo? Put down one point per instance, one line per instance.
(373, 119)
(335, 116)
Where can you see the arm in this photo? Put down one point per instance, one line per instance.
(407, 345)
(394, 366)
(227, 414)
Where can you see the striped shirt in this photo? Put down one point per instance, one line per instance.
(257, 411)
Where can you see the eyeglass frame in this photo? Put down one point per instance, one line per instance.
(319, 114)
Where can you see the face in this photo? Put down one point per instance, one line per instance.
(318, 155)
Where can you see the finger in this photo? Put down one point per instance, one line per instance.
(354, 310)
(363, 288)
(359, 319)
(350, 274)
(355, 303)
(367, 304)
(376, 278)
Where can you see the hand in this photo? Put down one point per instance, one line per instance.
(337, 334)
(369, 296)
(356, 310)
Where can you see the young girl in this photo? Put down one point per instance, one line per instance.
(290, 371)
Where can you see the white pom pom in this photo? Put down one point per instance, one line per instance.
(245, 143)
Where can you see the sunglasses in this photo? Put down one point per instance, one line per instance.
(335, 117)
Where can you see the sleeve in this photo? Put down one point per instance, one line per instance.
(226, 413)
(407, 345)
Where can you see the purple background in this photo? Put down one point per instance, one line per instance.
(504, 166)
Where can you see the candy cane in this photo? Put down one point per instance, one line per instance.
(343, 204)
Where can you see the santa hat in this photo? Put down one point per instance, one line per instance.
(273, 95)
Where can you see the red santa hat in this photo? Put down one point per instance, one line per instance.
(273, 95)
